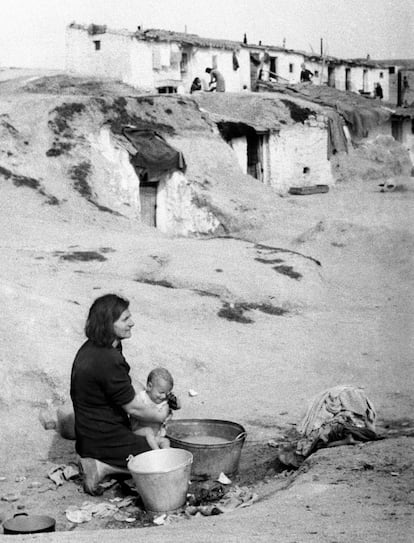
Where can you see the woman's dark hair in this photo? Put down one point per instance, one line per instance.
(103, 313)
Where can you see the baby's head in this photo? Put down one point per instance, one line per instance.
(159, 384)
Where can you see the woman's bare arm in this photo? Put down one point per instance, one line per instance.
(146, 413)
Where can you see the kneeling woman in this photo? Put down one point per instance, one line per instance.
(103, 396)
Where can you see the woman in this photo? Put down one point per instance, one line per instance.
(103, 396)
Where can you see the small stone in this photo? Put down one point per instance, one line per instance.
(223, 479)
(192, 393)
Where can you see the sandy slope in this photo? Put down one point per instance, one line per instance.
(348, 320)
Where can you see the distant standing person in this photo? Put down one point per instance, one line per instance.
(405, 88)
(217, 82)
(305, 75)
(378, 91)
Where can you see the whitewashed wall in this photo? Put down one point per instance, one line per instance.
(203, 58)
(295, 148)
(112, 60)
(284, 59)
(320, 72)
(140, 73)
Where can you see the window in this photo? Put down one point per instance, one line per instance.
(291, 68)
(97, 44)
(412, 126)
(381, 74)
(391, 70)
(316, 73)
(184, 62)
(167, 90)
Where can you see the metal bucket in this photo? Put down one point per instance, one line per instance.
(161, 478)
(209, 459)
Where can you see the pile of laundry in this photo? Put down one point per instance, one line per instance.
(338, 416)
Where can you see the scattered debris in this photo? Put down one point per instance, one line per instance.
(77, 516)
(160, 520)
(223, 479)
(192, 393)
(61, 474)
(272, 443)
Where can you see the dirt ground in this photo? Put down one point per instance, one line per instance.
(345, 321)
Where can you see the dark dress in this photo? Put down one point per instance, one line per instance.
(100, 385)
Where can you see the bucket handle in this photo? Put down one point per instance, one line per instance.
(241, 436)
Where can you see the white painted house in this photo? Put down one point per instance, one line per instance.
(154, 60)
(268, 143)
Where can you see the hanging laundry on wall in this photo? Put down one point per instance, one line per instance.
(165, 53)
(156, 58)
(175, 55)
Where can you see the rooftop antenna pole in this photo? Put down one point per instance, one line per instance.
(185, 29)
(321, 47)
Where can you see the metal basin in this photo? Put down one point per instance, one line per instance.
(215, 445)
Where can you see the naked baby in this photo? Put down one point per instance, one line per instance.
(158, 392)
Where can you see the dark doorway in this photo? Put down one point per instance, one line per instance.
(396, 129)
(255, 155)
(273, 67)
(148, 200)
(331, 76)
(348, 79)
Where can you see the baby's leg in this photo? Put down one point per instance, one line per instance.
(150, 437)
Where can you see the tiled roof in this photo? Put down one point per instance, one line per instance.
(182, 37)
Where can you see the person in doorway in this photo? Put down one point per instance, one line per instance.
(305, 74)
(378, 91)
(217, 82)
(103, 396)
(159, 394)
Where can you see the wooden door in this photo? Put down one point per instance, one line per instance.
(148, 199)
